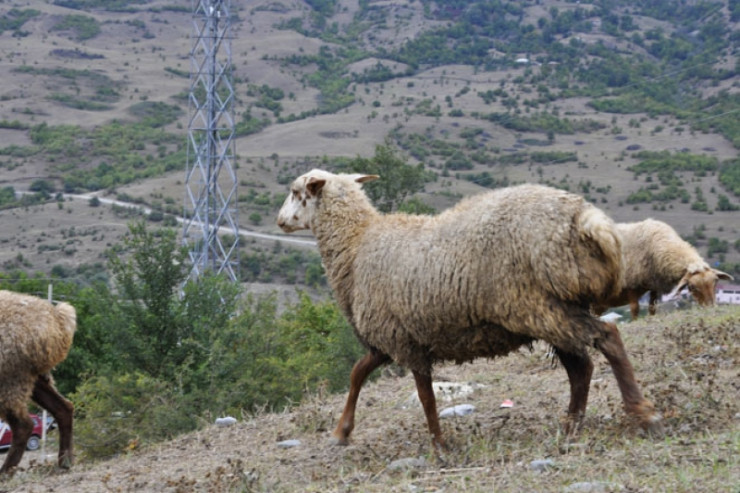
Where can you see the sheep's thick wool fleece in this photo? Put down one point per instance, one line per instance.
(655, 256)
(481, 279)
(35, 336)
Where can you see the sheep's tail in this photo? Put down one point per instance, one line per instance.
(600, 267)
(67, 318)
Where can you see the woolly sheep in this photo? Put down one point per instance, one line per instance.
(656, 259)
(497, 271)
(35, 336)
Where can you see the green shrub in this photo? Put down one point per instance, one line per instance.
(118, 413)
(85, 27)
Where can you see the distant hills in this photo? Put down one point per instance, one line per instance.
(633, 104)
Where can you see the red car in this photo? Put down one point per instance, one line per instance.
(6, 436)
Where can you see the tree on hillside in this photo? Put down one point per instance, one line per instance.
(398, 180)
(145, 316)
(153, 329)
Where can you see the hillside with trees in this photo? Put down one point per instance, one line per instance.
(632, 104)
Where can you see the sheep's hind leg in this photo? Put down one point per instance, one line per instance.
(360, 372)
(46, 396)
(610, 344)
(21, 425)
(653, 306)
(429, 403)
(579, 369)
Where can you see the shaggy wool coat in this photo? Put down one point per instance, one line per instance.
(495, 272)
(35, 336)
(655, 256)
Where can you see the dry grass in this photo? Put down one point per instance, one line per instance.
(687, 363)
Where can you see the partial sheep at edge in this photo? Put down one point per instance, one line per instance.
(35, 336)
(657, 260)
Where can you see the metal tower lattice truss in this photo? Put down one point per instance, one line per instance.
(211, 231)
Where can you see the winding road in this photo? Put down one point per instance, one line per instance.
(304, 242)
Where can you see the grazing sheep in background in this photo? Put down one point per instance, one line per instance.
(656, 259)
(497, 271)
(35, 336)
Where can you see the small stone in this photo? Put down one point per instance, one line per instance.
(407, 463)
(288, 443)
(459, 410)
(541, 465)
(227, 421)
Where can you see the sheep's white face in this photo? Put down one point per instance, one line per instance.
(300, 204)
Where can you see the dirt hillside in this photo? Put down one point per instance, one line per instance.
(687, 363)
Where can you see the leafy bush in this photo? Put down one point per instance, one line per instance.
(155, 113)
(263, 359)
(14, 19)
(724, 204)
(458, 161)
(717, 245)
(397, 179)
(120, 412)
(120, 143)
(729, 176)
(85, 27)
(250, 125)
(544, 122)
(664, 161)
(77, 103)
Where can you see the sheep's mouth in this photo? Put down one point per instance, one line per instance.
(288, 228)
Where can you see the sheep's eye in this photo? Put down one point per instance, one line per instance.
(691, 288)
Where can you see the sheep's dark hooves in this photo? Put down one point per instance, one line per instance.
(654, 426)
(571, 425)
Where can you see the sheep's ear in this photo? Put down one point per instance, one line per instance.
(723, 275)
(365, 178)
(682, 284)
(314, 185)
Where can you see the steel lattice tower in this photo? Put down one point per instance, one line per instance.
(210, 229)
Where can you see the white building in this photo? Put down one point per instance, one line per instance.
(728, 294)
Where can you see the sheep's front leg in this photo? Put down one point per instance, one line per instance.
(360, 372)
(46, 396)
(610, 344)
(428, 401)
(579, 369)
(21, 425)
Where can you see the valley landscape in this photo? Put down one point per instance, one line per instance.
(633, 105)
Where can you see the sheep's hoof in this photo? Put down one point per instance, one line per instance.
(339, 441)
(65, 461)
(440, 445)
(653, 426)
(572, 424)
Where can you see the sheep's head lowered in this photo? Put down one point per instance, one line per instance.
(701, 282)
(299, 207)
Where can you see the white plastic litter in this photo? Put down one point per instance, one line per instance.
(227, 421)
(288, 443)
(459, 410)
